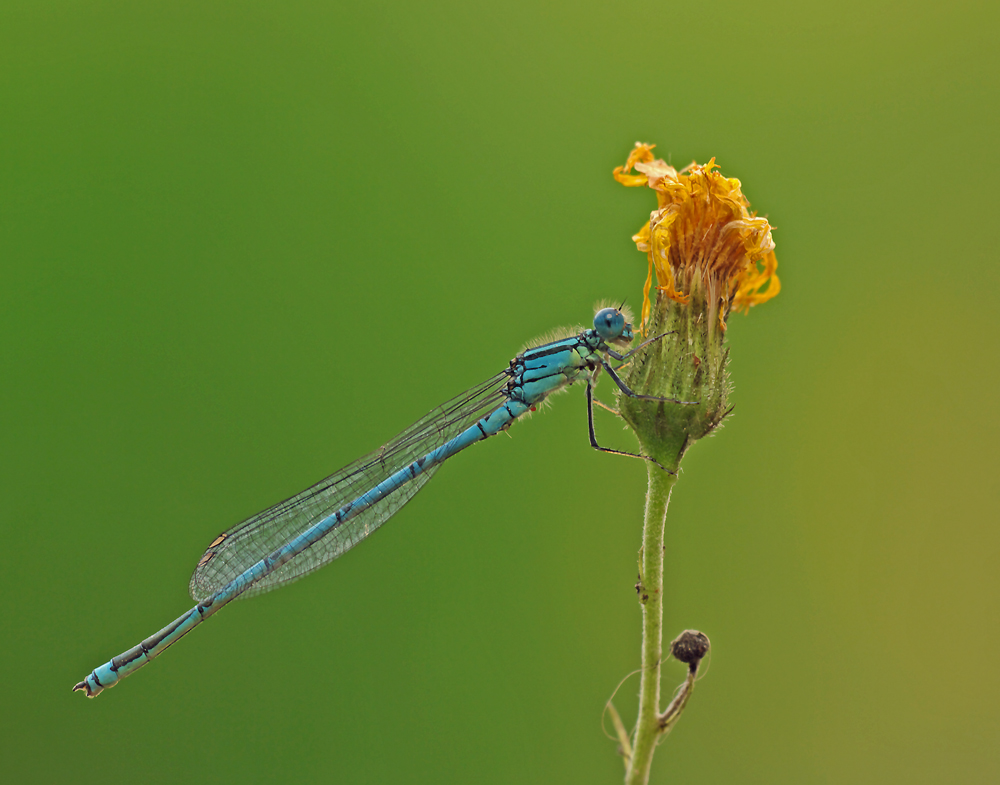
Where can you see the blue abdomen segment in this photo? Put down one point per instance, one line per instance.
(107, 675)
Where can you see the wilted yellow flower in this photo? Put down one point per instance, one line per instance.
(710, 255)
(702, 235)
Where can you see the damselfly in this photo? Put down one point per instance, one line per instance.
(301, 534)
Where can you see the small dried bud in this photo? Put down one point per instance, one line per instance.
(689, 647)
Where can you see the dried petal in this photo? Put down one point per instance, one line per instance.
(702, 229)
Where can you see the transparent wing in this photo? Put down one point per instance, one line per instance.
(244, 545)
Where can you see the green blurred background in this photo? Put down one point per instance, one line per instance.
(243, 243)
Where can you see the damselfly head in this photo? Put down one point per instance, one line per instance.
(611, 325)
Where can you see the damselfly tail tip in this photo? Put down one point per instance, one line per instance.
(82, 687)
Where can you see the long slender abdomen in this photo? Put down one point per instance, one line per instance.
(109, 674)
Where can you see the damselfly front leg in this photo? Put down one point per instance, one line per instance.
(643, 345)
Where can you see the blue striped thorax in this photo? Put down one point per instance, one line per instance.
(540, 371)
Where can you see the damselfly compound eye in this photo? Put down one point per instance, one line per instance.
(609, 323)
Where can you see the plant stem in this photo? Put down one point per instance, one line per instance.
(650, 589)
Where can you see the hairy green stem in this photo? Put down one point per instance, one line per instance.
(650, 588)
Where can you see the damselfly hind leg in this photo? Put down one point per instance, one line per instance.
(593, 433)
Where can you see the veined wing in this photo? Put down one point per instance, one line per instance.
(244, 545)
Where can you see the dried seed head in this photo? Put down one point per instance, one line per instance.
(689, 647)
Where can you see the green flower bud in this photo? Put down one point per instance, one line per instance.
(688, 364)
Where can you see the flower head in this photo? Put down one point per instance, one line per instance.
(711, 255)
(702, 235)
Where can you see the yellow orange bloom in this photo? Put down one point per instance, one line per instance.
(703, 234)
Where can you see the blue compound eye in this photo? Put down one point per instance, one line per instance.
(609, 323)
